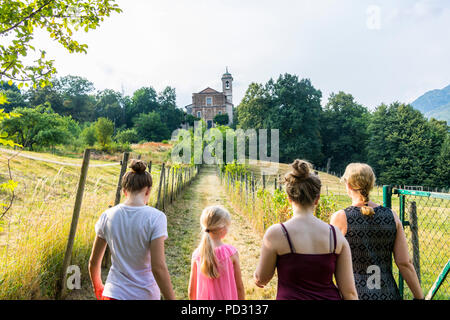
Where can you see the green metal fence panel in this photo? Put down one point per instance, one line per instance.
(425, 218)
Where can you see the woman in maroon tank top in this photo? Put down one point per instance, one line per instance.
(305, 251)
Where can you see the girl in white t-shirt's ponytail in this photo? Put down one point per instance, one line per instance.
(135, 234)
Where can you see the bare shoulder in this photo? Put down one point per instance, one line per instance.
(338, 219)
(273, 232)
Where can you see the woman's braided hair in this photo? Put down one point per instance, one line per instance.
(360, 177)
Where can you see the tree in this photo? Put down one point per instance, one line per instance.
(19, 19)
(110, 105)
(144, 100)
(77, 101)
(404, 146)
(167, 109)
(104, 129)
(221, 119)
(442, 176)
(40, 127)
(88, 135)
(255, 109)
(127, 136)
(150, 128)
(343, 128)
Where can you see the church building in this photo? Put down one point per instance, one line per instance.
(208, 103)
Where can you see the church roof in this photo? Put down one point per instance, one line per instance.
(209, 90)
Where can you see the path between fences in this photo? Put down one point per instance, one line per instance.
(185, 233)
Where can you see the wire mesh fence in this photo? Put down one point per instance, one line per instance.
(425, 216)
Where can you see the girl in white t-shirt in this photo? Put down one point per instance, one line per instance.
(135, 234)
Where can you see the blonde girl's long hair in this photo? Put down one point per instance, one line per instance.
(212, 219)
(360, 177)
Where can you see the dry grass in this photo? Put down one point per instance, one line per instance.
(34, 235)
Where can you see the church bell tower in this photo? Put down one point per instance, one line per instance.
(227, 86)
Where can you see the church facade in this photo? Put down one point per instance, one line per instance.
(208, 103)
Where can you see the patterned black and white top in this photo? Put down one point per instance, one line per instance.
(371, 240)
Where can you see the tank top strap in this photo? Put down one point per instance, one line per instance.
(333, 232)
(288, 238)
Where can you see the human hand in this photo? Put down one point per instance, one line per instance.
(98, 291)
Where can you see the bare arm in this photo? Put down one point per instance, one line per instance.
(95, 269)
(344, 270)
(339, 219)
(238, 277)
(159, 268)
(268, 259)
(192, 289)
(403, 261)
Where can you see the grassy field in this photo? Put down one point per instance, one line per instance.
(34, 233)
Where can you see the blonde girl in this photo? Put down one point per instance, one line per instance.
(215, 269)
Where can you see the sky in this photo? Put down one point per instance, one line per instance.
(380, 51)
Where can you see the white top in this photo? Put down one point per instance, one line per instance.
(128, 232)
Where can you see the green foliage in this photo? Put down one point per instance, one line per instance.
(88, 135)
(150, 128)
(127, 136)
(19, 19)
(326, 207)
(235, 169)
(104, 129)
(109, 105)
(221, 119)
(404, 146)
(38, 127)
(344, 131)
(290, 105)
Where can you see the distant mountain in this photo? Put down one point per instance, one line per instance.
(435, 103)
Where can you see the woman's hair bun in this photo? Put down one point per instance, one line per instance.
(301, 169)
(138, 166)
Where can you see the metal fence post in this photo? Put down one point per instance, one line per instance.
(387, 196)
(415, 237)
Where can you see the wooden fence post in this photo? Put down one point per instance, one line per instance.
(415, 237)
(246, 188)
(171, 192)
(150, 167)
(166, 187)
(264, 181)
(107, 257)
(275, 183)
(161, 177)
(253, 189)
(73, 226)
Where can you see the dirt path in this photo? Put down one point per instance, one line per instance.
(185, 232)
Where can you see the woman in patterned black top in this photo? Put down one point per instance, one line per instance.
(374, 233)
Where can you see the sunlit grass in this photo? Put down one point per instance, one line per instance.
(35, 230)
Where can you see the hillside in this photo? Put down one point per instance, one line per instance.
(435, 103)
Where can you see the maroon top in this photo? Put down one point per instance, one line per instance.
(307, 276)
